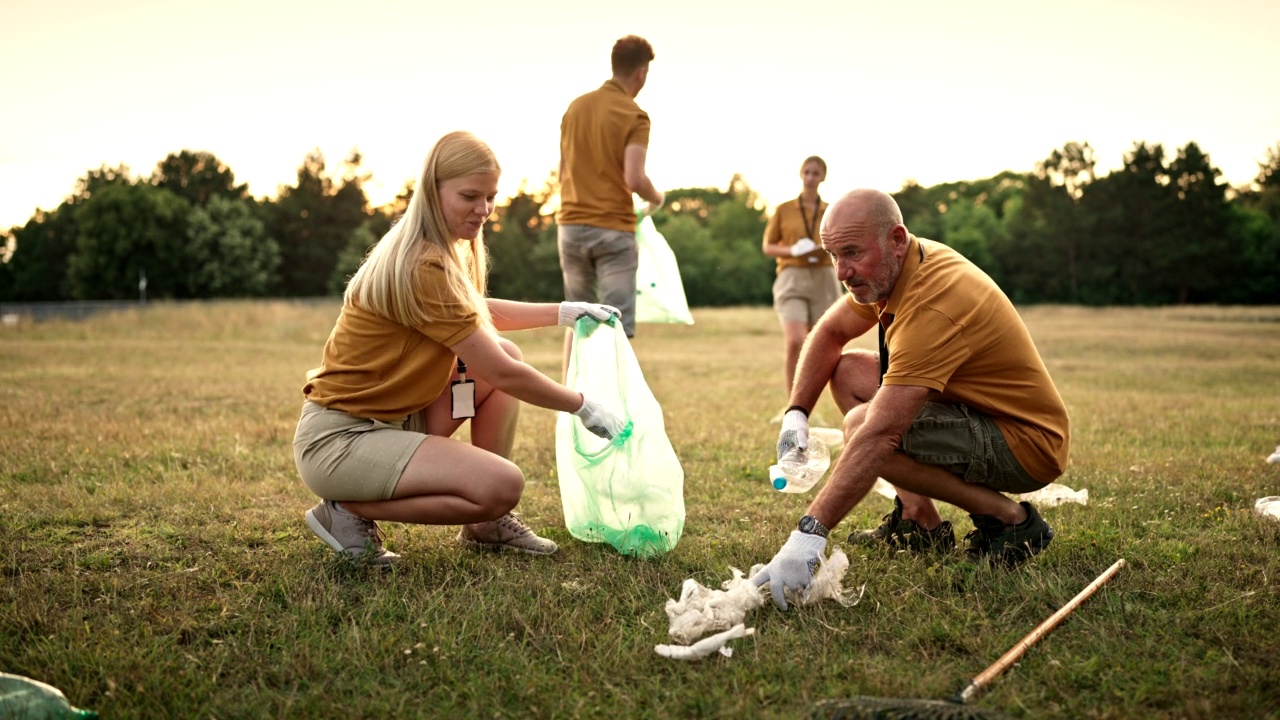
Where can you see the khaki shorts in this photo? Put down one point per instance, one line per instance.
(969, 444)
(343, 457)
(802, 294)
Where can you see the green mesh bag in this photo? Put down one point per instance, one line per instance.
(629, 491)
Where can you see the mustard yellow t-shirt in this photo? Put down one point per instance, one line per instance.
(373, 367)
(955, 331)
(788, 225)
(594, 134)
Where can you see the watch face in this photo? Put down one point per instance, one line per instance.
(809, 524)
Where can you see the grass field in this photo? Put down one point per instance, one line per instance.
(155, 562)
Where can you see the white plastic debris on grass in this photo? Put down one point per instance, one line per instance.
(1268, 507)
(883, 488)
(1055, 494)
(701, 610)
(1047, 496)
(833, 437)
(1274, 458)
(706, 646)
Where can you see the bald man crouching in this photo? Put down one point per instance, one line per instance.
(957, 406)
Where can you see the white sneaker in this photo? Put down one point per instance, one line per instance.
(505, 533)
(349, 533)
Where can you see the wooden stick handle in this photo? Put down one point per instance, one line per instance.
(1017, 651)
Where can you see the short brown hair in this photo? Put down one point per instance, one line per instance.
(629, 53)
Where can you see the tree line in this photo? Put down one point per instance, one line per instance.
(1163, 229)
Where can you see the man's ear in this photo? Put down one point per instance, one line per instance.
(900, 238)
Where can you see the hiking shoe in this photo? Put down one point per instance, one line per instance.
(1009, 545)
(505, 533)
(349, 533)
(901, 534)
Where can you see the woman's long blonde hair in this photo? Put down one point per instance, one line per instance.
(385, 282)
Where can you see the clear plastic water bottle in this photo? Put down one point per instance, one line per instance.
(22, 697)
(798, 470)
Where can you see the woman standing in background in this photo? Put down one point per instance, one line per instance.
(806, 283)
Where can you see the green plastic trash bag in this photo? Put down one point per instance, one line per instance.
(659, 291)
(629, 491)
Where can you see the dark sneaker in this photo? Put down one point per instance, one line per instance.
(349, 533)
(505, 533)
(1008, 545)
(901, 534)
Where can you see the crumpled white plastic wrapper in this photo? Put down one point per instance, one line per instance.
(1268, 507)
(1047, 496)
(706, 646)
(1055, 494)
(833, 437)
(1274, 457)
(701, 610)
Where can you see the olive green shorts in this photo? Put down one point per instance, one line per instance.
(344, 457)
(968, 443)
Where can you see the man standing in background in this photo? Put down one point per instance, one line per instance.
(604, 137)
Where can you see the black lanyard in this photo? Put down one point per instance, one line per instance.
(817, 203)
(886, 319)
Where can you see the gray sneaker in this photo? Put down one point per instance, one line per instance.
(1008, 545)
(505, 533)
(349, 534)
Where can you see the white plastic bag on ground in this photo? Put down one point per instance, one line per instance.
(1055, 494)
(1268, 507)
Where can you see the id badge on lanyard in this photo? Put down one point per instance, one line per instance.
(463, 395)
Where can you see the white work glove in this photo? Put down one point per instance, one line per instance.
(571, 311)
(803, 246)
(792, 568)
(596, 418)
(653, 207)
(795, 432)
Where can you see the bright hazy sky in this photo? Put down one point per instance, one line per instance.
(933, 90)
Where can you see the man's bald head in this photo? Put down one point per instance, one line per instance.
(864, 234)
(864, 210)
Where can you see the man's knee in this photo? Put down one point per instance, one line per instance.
(856, 378)
(854, 419)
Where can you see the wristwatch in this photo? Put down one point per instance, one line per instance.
(811, 526)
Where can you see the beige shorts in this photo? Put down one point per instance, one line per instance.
(343, 457)
(802, 294)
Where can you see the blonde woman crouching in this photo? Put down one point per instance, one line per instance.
(414, 354)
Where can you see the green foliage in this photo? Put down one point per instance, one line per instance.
(716, 238)
(1160, 230)
(524, 259)
(228, 253)
(312, 223)
(126, 231)
(358, 246)
(197, 176)
(42, 247)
